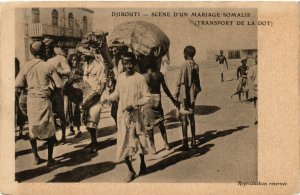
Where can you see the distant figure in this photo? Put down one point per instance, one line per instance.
(241, 74)
(37, 75)
(221, 59)
(252, 79)
(154, 114)
(187, 89)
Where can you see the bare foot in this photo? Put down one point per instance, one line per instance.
(131, 176)
(52, 163)
(39, 161)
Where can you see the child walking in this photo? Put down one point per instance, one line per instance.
(187, 89)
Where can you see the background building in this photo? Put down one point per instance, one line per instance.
(64, 25)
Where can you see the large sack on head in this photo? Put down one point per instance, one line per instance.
(142, 37)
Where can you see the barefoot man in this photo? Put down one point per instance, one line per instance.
(133, 92)
(154, 113)
(37, 75)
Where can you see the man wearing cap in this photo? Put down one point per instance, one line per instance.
(37, 75)
(60, 63)
(241, 74)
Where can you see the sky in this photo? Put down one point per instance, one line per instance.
(182, 31)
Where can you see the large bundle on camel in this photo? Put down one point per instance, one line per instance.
(97, 41)
(142, 37)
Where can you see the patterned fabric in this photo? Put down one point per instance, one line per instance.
(94, 74)
(142, 37)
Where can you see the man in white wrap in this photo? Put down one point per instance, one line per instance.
(132, 91)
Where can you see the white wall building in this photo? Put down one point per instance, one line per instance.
(64, 25)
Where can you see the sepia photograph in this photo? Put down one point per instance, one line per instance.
(108, 95)
(149, 98)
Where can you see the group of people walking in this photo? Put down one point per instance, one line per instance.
(135, 98)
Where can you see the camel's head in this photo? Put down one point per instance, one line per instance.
(95, 39)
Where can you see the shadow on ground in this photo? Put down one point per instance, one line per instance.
(205, 109)
(171, 160)
(195, 152)
(73, 158)
(103, 132)
(210, 135)
(84, 172)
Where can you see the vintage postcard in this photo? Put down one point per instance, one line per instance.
(150, 98)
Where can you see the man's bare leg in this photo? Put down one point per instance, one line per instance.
(93, 145)
(131, 176)
(142, 165)
(78, 135)
(193, 128)
(163, 132)
(63, 129)
(185, 145)
(51, 161)
(37, 159)
(151, 139)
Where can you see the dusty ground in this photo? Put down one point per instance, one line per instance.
(226, 138)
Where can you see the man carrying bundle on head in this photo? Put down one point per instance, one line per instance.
(117, 49)
(37, 75)
(132, 91)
